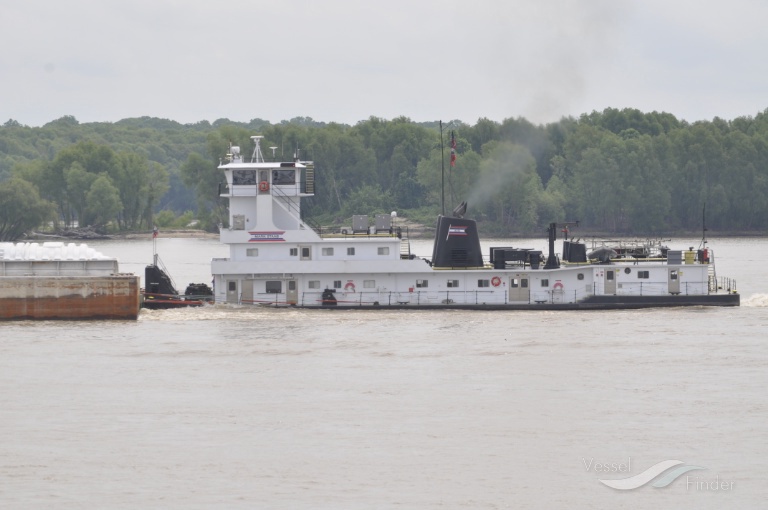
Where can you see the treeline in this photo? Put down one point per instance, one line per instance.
(621, 171)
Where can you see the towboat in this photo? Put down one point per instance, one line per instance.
(277, 258)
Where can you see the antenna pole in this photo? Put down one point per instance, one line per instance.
(154, 245)
(442, 171)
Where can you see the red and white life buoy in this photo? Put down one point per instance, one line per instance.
(558, 285)
(495, 281)
(263, 186)
(349, 287)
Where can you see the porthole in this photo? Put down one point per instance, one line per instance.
(627, 270)
(580, 276)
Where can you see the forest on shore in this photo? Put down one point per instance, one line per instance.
(616, 171)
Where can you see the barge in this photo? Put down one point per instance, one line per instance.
(57, 281)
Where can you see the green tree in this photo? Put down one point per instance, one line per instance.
(157, 186)
(202, 175)
(78, 182)
(21, 209)
(103, 202)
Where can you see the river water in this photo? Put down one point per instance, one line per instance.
(241, 407)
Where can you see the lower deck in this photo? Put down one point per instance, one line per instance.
(576, 286)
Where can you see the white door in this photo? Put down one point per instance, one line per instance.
(291, 292)
(674, 281)
(519, 288)
(232, 294)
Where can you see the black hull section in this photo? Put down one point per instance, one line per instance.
(591, 303)
(163, 304)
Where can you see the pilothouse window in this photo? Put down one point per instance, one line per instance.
(283, 177)
(244, 177)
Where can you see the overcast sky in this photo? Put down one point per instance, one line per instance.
(347, 60)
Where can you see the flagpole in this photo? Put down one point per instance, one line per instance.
(442, 170)
(154, 245)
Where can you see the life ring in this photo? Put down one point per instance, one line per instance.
(349, 287)
(495, 281)
(558, 285)
(263, 186)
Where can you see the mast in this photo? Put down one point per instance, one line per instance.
(442, 171)
(704, 229)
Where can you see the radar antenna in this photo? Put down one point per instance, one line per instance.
(257, 156)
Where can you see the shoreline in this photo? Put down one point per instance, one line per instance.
(415, 233)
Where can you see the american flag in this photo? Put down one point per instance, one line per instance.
(453, 149)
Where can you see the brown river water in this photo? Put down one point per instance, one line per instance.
(242, 407)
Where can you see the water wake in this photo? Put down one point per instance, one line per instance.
(756, 300)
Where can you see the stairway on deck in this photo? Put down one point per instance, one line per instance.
(405, 248)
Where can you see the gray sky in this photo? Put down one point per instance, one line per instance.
(346, 60)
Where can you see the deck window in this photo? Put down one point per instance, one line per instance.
(314, 284)
(252, 252)
(421, 284)
(274, 287)
(369, 284)
(337, 284)
(351, 251)
(545, 282)
(327, 252)
(643, 274)
(483, 283)
(294, 252)
(383, 250)
(453, 283)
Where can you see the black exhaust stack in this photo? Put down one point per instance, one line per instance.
(457, 243)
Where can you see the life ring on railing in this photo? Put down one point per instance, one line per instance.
(263, 186)
(349, 287)
(558, 285)
(495, 281)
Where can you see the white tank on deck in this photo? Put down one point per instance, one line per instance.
(49, 251)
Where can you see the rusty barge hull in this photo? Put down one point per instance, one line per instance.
(114, 297)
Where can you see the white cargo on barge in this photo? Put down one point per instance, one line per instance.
(278, 259)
